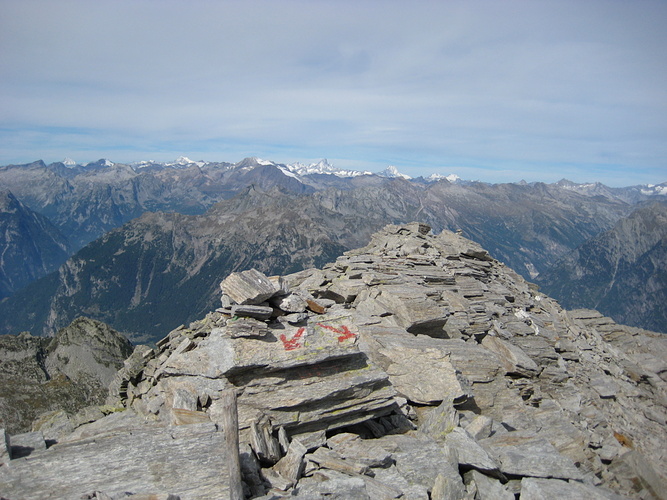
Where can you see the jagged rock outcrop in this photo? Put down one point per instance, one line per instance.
(66, 372)
(416, 367)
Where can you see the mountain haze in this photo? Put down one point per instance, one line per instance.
(30, 246)
(140, 278)
(621, 272)
(154, 230)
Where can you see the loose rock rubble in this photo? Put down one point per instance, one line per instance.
(417, 367)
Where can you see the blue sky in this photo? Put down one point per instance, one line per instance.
(489, 90)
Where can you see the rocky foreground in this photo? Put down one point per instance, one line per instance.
(417, 367)
(66, 372)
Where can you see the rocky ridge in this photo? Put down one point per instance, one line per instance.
(63, 373)
(416, 367)
(30, 246)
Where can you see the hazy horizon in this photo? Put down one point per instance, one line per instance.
(490, 91)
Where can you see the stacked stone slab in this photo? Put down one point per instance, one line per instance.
(417, 367)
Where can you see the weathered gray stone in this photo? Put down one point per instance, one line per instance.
(247, 327)
(392, 476)
(533, 488)
(141, 459)
(513, 359)
(332, 485)
(248, 287)
(344, 290)
(339, 365)
(291, 465)
(605, 387)
(312, 375)
(294, 318)
(330, 459)
(471, 454)
(448, 486)
(5, 448)
(180, 416)
(423, 376)
(265, 445)
(86, 415)
(413, 310)
(292, 303)
(281, 285)
(26, 444)
(487, 488)
(632, 468)
(276, 480)
(351, 446)
(378, 490)
(53, 425)
(419, 460)
(480, 427)
(312, 440)
(252, 311)
(440, 421)
(524, 454)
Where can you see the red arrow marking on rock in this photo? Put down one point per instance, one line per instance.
(293, 343)
(343, 332)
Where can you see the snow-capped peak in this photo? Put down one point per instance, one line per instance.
(102, 162)
(143, 164)
(652, 189)
(184, 161)
(438, 177)
(321, 167)
(68, 162)
(392, 172)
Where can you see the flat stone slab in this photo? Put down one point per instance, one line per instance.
(27, 443)
(524, 454)
(533, 488)
(140, 461)
(423, 376)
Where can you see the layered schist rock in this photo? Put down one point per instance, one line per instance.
(417, 367)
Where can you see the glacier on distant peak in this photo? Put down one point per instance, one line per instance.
(321, 167)
(68, 162)
(184, 161)
(392, 172)
(438, 177)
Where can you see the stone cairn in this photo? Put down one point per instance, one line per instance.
(417, 367)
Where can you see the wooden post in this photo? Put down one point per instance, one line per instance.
(230, 425)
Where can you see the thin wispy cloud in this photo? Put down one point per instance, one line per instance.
(493, 90)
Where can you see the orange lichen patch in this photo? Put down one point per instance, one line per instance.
(315, 307)
(624, 440)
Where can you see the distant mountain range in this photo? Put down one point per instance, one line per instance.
(148, 240)
(622, 272)
(30, 245)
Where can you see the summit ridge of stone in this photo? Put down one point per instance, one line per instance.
(415, 367)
